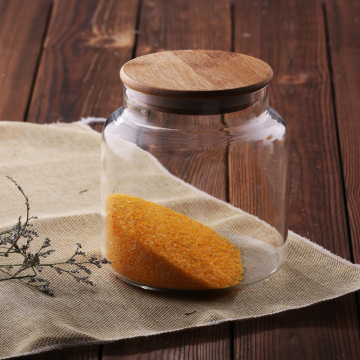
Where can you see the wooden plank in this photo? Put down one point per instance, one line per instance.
(87, 43)
(203, 343)
(22, 27)
(344, 42)
(323, 331)
(290, 36)
(174, 25)
(167, 25)
(170, 25)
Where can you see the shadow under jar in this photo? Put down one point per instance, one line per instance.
(195, 173)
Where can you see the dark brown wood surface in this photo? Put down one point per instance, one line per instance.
(86, 41)
(23, 27)
(301, 92)
(343, 22)
(59, 61)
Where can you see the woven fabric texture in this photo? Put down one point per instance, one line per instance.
(58, 166)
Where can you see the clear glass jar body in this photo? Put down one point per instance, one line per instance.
(228, 171)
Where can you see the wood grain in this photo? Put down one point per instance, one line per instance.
(344, 44)
(176, 25)
(203, 343)
(172, 25)
(87, 42)
(22, 28)
(301, 92)
(290, 36)
(300, 334)
(204, 166)
(196, 74)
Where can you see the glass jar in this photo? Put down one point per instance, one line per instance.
(195, 173)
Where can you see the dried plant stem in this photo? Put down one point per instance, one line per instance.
(17, 240)
(19, 222)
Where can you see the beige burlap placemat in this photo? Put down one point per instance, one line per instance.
(58, 167)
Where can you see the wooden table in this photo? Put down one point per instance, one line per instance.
(59, 61)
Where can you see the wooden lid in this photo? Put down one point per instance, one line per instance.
(195, 75)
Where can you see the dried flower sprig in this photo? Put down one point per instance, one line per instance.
(17, 241)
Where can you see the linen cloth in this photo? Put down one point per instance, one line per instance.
(58, 166)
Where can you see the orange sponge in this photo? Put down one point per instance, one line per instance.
(155, 246)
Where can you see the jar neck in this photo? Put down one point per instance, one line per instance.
(196, 106)
(163, 117)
